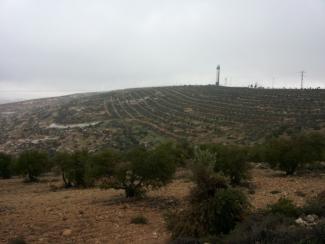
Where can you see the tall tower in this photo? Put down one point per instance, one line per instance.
(302, 79)
(218, 75)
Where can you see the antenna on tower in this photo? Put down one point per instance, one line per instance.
(302, 79)
(218, 76)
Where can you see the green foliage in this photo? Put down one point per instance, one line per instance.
(284, 207)
(141, 169)
(140, 219)
(18, 240)
(233, 162)
(32, 164)
(78, 170)
(74, 168)
(276, 224)
(64, 162)
(203, 165)
(316, 205)
(288, 154)
(255, 153)
(230, 160)
(102, 164)
(183, 151)
(273, 229)
(135, 171)
(6, 169)
(214, 208)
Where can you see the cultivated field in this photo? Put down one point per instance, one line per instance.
(147, 116)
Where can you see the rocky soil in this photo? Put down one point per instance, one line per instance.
(43, 213)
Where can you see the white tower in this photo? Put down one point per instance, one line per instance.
(218, 75)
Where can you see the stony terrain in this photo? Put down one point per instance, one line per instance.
(149, 115)
(45, 213)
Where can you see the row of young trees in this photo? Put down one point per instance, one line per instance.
(134, 171)
(140, 168)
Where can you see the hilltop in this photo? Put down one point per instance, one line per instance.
(123, 118)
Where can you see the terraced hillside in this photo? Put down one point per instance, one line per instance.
(148, 115)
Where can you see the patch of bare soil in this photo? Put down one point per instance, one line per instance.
(41, 215)
(271, 185)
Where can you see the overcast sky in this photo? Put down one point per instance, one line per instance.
(53, 47)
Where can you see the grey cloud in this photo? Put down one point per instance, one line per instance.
(101, 45)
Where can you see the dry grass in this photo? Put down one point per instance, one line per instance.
(41, 215)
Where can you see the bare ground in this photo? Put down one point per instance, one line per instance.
(40, 214)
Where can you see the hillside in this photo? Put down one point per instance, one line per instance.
(148, 115)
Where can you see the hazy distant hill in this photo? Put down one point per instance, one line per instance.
(2, 100)
(148, 115)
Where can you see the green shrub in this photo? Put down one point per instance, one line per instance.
(74, 168)
(260, 228)
(78, 171)
(5, 166)
(233, 162)
(284, 207)
(18, 240)
(32, 164)
(63, 160)
(183, 151)
(289, 154)
(141, 169)
(255, 153)
(316, 205)
(283, 154)
(203, 165)
(229, 160)
(102, 164)
(140, 219)
(214, 208)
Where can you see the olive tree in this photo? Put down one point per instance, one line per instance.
(141, 169)
(289, 154)
(32, 164)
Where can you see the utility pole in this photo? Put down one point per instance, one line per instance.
(218, 75)
(302, 79)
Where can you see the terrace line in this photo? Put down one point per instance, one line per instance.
(69, 126)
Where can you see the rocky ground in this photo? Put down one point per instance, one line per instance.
(43, 213)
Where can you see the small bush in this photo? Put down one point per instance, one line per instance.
(230, 160)
(260, 228)
(18, 240)
(290, 154)
(316, 205)
(284, 207)
(139, 220)
(214, 208)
